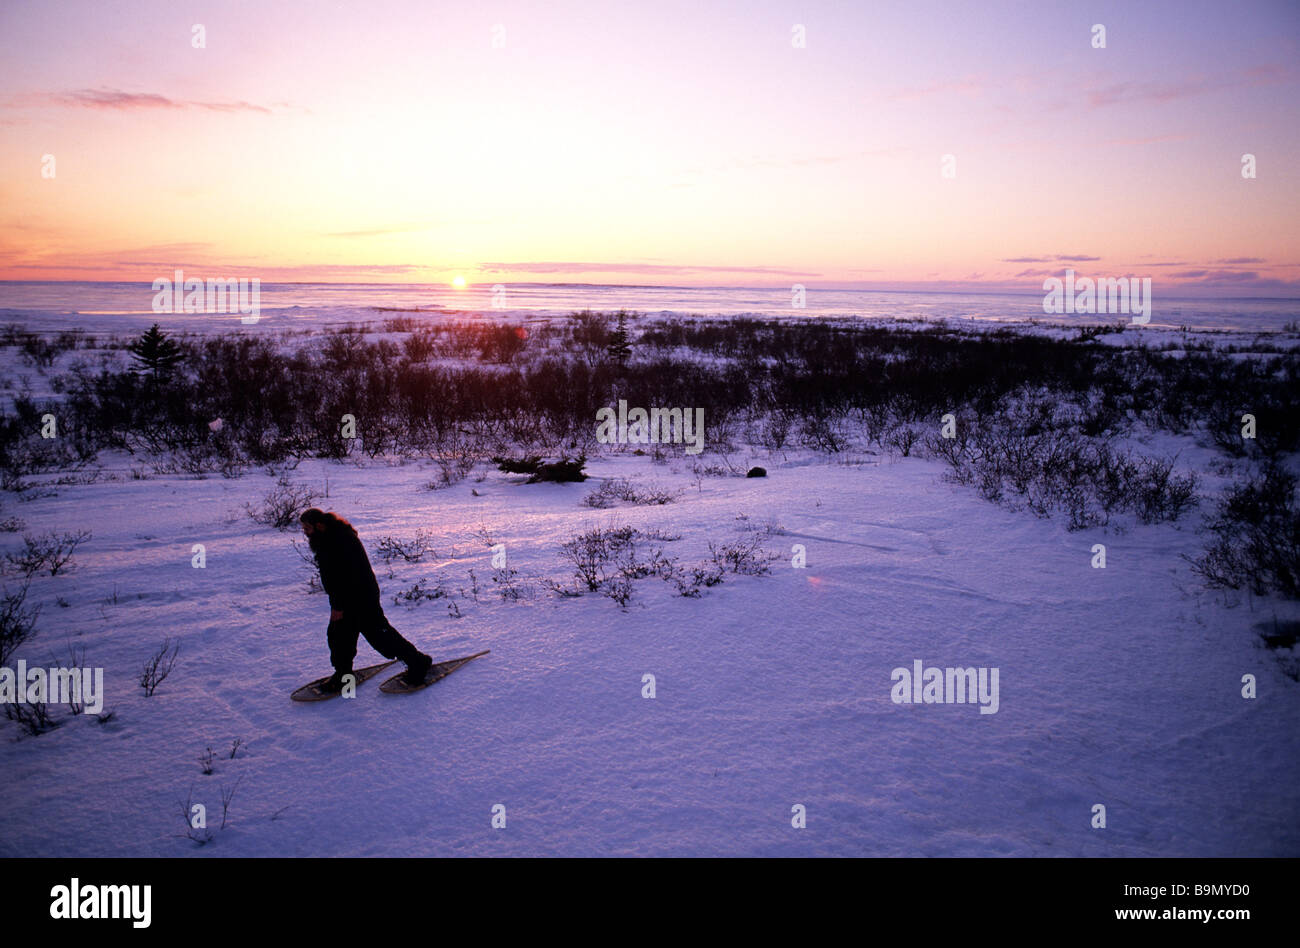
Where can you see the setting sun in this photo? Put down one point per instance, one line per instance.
(458, 282)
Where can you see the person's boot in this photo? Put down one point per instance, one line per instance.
(416, 669)
(334, 684)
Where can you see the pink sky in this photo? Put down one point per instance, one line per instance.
(652, 142)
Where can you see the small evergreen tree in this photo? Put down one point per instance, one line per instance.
(155, 352)
(619, 347)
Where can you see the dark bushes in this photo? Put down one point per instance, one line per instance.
(821, 384)
(562, 471)
(1256, 536)
(565, 470)
(1055, 470)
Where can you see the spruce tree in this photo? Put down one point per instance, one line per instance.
(619, 347)
(155, 352)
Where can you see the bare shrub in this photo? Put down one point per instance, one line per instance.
(198, 834)
(412, 551)
(17, 621)
(32, 716)
(607, 493)
(418, 593)
(767, 527)
(901, 437)
(504, 578)
(1159, 493)
(49, 551)
(591, 553)
(713, 470)
(76, 661)
(774, 430)
(823, 431)
(226, 797)
(610, 559)
(159, 666)
(282, 504)
(660, 536)
(420, 345)
(619, 588)
(619, 488)
(691, 582)
(653, 495)
(745, 557)
(456, 460)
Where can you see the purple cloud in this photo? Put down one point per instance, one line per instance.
(1221, 276)
(1058, 258)
(122, 101)
(1124, 92)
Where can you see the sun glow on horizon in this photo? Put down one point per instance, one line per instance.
(680, 180)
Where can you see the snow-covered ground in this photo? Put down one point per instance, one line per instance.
(1119, 686)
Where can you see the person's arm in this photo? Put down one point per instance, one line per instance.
(351, 578)
(334, 585)
(363, 587)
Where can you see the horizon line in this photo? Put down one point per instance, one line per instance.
(925, 288)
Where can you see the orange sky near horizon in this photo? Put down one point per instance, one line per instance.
(653, 143)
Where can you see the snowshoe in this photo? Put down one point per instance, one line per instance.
(417, 669)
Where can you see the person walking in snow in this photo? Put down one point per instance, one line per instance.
(353, 591)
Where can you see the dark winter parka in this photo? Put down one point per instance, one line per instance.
(345, 571)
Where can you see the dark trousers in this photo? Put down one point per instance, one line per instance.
(383, 638)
